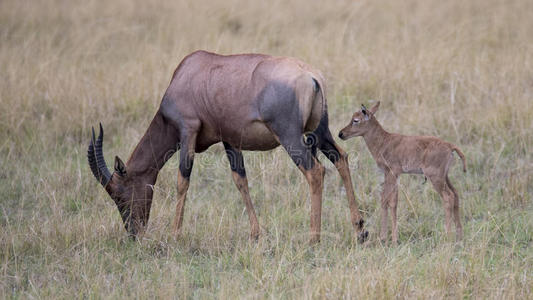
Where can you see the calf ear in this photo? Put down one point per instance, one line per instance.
(363, 109)
(374, 108)
(120, 168)
(365, 112)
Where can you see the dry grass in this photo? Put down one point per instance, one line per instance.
(461, 70)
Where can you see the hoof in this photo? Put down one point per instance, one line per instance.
(255, 232)
(314, 240)
(362, 236)
(254, 237)
(176, 233)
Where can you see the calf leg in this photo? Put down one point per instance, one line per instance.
(384, 218)
(448, 198)
(456, 213)
(393, 205)
(239, 177)
(339, 158)
(389, 199)
(185, 168)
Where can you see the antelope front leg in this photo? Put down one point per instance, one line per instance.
(184, 173)
(242, 185)
(183, 186)
(238, 173)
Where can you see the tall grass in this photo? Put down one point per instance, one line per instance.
(460, 70)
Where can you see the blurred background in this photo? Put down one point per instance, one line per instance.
(459, 70)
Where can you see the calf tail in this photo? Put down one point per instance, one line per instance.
(461, 155)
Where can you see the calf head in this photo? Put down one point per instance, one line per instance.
(132, 197)
(361, 122)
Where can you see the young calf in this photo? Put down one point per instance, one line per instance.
(396, 154)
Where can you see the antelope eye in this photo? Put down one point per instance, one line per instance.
(355, 121)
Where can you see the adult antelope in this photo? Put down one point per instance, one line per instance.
(248, 102)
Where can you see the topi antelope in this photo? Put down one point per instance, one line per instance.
(396, 154)
(247, 102)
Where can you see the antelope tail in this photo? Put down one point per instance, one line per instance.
(461, 155)
(320, 89)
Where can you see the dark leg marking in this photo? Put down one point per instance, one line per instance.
(239, 178)
(185, 169)
(236, 160)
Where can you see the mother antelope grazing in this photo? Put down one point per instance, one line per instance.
(247, 102)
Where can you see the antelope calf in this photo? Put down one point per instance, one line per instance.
(396, 154)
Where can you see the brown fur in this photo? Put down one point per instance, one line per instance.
(248, 102)
(315, 178)
(396, 154)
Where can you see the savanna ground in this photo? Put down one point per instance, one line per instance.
(460, 70)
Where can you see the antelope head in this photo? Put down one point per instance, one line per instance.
(132, 197)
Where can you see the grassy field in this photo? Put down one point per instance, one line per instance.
(460, 70)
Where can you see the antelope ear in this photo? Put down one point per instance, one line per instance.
(363, 109)
(374, 108)
(365, 112)
(120, 168)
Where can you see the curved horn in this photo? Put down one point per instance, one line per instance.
(96, 158)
